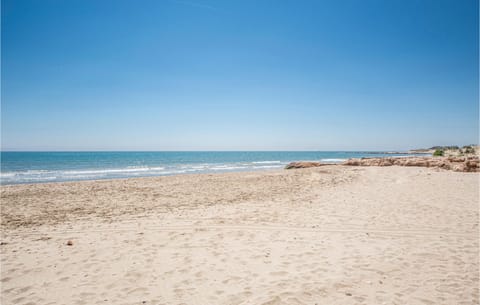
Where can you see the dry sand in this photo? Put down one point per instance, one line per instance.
(330, 235)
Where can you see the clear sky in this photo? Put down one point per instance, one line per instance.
(239, 75)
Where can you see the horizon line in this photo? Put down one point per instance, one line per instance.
(308, 150)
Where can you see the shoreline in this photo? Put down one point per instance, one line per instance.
(247, 170)
(216, 176)
(150, 177)
(38, 167)
(364, 161)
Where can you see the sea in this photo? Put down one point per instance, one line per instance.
(40, 167)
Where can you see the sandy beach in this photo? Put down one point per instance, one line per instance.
(327, 235)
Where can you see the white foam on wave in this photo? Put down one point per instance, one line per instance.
(226, 167)
(43, 178)
(266, 162)
(69, 175)
(27, 176)
(7, 174)
(195, 167)
(35, 176)
(92, 174)
(34, 172)
(173, 172)
(113, 170)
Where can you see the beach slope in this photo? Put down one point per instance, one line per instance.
(326, 235)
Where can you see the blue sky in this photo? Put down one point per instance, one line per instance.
(239, 75)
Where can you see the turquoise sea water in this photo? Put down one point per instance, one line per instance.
(35, 167)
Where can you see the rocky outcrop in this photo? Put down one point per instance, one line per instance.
(303, 164)
(458, 164)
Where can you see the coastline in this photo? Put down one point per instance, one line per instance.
(40, 167)
(464, 163)
(354, 235)
(150, 177)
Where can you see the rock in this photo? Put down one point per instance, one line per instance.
(456, 159)
(458, 164)
(472, 165)
(353, 162)
(303, 164)
(458, 167)
(69, 243)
